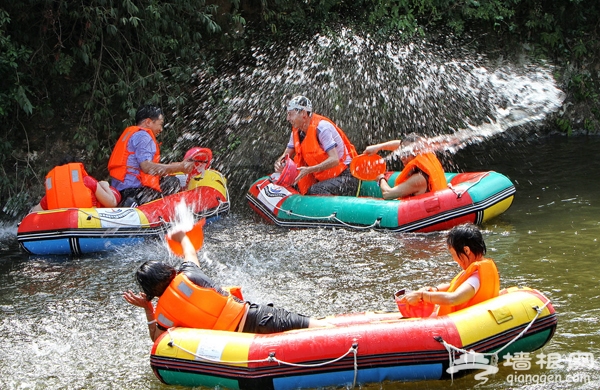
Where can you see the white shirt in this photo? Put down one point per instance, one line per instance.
(474, 281)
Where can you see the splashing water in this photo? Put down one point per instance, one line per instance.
(528, 100)
(374, 90)
(184, 217)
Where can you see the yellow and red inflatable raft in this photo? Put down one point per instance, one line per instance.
(360, 348)
(88, 230)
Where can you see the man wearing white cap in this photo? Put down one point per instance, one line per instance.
(321, 151)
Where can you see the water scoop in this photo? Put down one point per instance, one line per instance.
(196, 236)
(367, 166)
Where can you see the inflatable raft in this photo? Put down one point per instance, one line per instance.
(360, 348)
(87, 230)
(470, 197)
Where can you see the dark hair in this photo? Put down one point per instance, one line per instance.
(147, 111)
(412, 138)
(466, 235)
(68, 158)
(154, 278)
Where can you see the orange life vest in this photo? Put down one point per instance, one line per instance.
(489, 284)
(186, 304)
(65, 187)
(431, 166)
(310, 153)
(117, 164)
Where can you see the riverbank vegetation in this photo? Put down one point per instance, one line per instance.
(72, 74)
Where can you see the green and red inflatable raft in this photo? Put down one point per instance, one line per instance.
(474, 197)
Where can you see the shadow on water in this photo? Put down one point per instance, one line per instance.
(65, 324)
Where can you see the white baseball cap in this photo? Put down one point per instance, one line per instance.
(299, 103)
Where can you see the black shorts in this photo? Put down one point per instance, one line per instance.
(267, 319)
(344, 184)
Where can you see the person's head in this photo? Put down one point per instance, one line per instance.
(465, 243)
(299, 110)
(150, 117)
(412, 144)
(154, 278)
(68, 158)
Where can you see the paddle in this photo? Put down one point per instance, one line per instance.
(367, 167)
(196, 236)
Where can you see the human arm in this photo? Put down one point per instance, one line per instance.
(159, 169)
(189, 252)
(140, 300)
(331, 161)
(416, 184)
(389, 145)
(462, 294)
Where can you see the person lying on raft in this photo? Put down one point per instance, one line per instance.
(69, 185)
(477, 282)
(422, 171)
(207, 305)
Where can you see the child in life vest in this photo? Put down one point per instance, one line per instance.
(69, 185)
(422, 171)
(478, 281)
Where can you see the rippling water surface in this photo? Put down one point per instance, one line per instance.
(64, 323)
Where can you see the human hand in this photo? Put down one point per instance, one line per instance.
(412, 298)
(279, 164)
(138, 300)
(177, 235)
(302, 171)
(187, 166)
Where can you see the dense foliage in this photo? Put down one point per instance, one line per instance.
(72, 73)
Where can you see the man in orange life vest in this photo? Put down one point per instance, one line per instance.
(69, 185)
(188, 298)
(134, 164)
(321, 151)
(422, 171)
(478, 282)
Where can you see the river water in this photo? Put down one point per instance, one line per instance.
(66, 326)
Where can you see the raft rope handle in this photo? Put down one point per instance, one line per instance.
(377, 221)
(331, 217)
(146, 225)
(494, 355)
(459, 195)
(271, 358)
